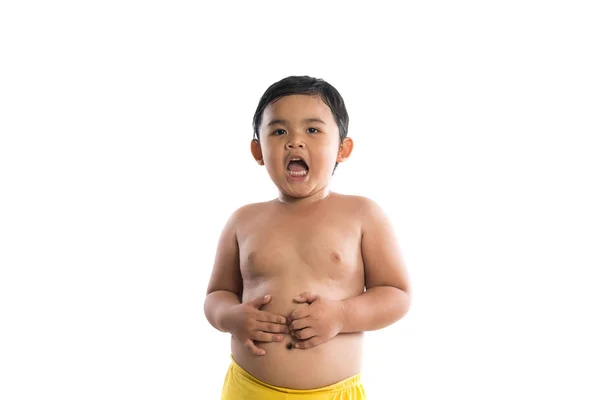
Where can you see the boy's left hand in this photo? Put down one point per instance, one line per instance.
(316, 323)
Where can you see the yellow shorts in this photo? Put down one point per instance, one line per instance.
(240, 385)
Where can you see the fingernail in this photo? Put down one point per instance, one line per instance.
(297, 345)
(279, 337)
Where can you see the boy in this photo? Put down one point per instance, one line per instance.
(298, 279)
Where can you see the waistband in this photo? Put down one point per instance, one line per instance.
(338, 386)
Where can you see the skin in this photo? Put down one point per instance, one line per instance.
(330, 263)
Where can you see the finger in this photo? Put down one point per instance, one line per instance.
(300, 299)
(249, 344)
(305, 344)
(306, 297)
(265, 316)
(300, 324)
(304, 334)
(260, 301)
(265, 337)
(301, 312)
(270, 327)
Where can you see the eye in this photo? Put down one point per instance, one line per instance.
(276, 133)
(314, 130)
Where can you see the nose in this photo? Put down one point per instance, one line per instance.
(294, 142)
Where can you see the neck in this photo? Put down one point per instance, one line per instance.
(321, 194)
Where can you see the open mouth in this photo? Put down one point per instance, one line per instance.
(297, 167)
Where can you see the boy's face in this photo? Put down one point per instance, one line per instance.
(299, 126)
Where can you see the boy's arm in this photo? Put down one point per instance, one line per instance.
(225, 285)
(222, 306)
(387, 295)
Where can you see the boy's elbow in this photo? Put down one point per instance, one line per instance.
(404, 302)
(208, 306)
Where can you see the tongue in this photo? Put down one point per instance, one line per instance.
(297, 166)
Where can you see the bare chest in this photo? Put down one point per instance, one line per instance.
(320, 246)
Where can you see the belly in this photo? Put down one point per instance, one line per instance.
(322, 365)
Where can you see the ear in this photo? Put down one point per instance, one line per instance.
(256, 152)
(345, 150)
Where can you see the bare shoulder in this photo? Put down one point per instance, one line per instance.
(361, 207)
(247, 211)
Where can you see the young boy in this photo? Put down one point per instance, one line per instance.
(298, 279)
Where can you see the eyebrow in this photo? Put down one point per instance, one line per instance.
(283, 121)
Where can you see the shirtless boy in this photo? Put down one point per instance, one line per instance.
(298, 279)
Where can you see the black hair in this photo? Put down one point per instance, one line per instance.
(305, 85)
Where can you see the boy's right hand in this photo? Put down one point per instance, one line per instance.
(247, 323)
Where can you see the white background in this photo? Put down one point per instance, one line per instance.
(125, 130)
